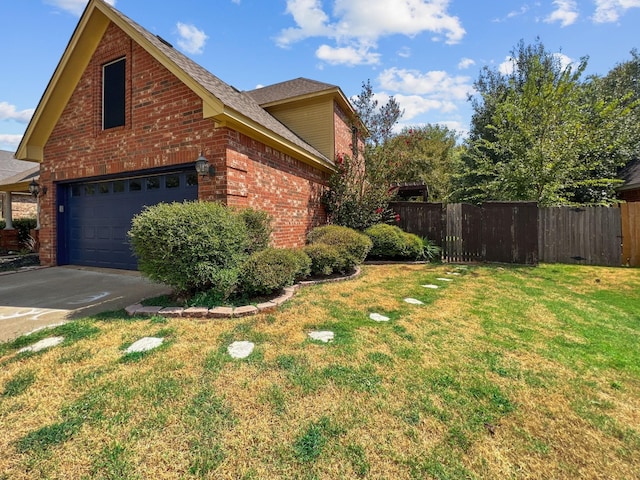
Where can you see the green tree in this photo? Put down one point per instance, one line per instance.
(379, 120)
(426, 154)
(541, 133)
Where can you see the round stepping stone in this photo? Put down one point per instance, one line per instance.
(240, 349)
(413, 301)
(144, 344)
(42, 344)
(376, 317)
(322, 336)
(431, 286)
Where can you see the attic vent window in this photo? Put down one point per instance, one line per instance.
(113, 94)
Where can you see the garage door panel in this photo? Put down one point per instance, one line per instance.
(99, 215)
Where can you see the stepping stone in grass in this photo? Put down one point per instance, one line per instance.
(144, 344)
(241, 349)
(42, 344)
(413, 301)
(376, 317)
(322, 336)
(430, 286)
(444, 279)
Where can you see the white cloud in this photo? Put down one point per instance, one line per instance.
(465, 63)
(75, 7)
(608, 11)
(191, 39)
(566, 13)
(418, 93)
(415, 105)
(9, 141)
(347, 55)
(8, 112)
(565, 61)
(404, 52)
(437, 82)
(359, 24)
(514, 13)
(507, 66)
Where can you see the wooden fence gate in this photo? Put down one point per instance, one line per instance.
(630, 213)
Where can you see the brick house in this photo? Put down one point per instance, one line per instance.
(124, 118)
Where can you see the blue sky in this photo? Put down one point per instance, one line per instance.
(426, 53)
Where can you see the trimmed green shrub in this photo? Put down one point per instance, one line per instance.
(391, 242)
(353, 246)
(258, 223)
(192, 246)
(325, 259)
(271, 269)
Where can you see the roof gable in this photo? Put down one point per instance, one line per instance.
(221, 102)
(299, 87)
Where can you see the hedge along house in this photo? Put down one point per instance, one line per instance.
(124, 118)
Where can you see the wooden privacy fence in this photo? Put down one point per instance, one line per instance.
(520, 232)
(494, 232)
(585, 235)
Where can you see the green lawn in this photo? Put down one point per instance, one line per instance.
(502, 372)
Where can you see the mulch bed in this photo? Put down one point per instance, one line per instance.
(15, 262)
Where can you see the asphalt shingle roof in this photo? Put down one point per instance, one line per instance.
(289, 89)
(10, 167)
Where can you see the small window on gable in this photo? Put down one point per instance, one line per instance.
(113, 94)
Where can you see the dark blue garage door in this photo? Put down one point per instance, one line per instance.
(97, 215)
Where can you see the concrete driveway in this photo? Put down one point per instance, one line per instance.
(37, 298)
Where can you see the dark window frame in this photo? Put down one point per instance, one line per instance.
(114, 93)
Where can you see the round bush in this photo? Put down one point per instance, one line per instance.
(390, 242)
(258, 223)
(325, 259)
(353, 246)
(271, 269)
(192, 246)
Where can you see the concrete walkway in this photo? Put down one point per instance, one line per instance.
(36, 298)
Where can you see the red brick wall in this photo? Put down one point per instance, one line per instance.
(343, 133)
(289, 190)
(164, 126)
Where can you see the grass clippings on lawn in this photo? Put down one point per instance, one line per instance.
(503, 372)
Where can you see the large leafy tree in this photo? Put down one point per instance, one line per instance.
(542, 133)
(426, 154)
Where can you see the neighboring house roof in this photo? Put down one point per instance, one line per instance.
(221, 102)
(10, 166)
(20, 181)
(15, 175)
(631, 176)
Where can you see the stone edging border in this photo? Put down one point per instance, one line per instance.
(232, 312)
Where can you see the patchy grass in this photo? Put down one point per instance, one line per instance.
(504, 372)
